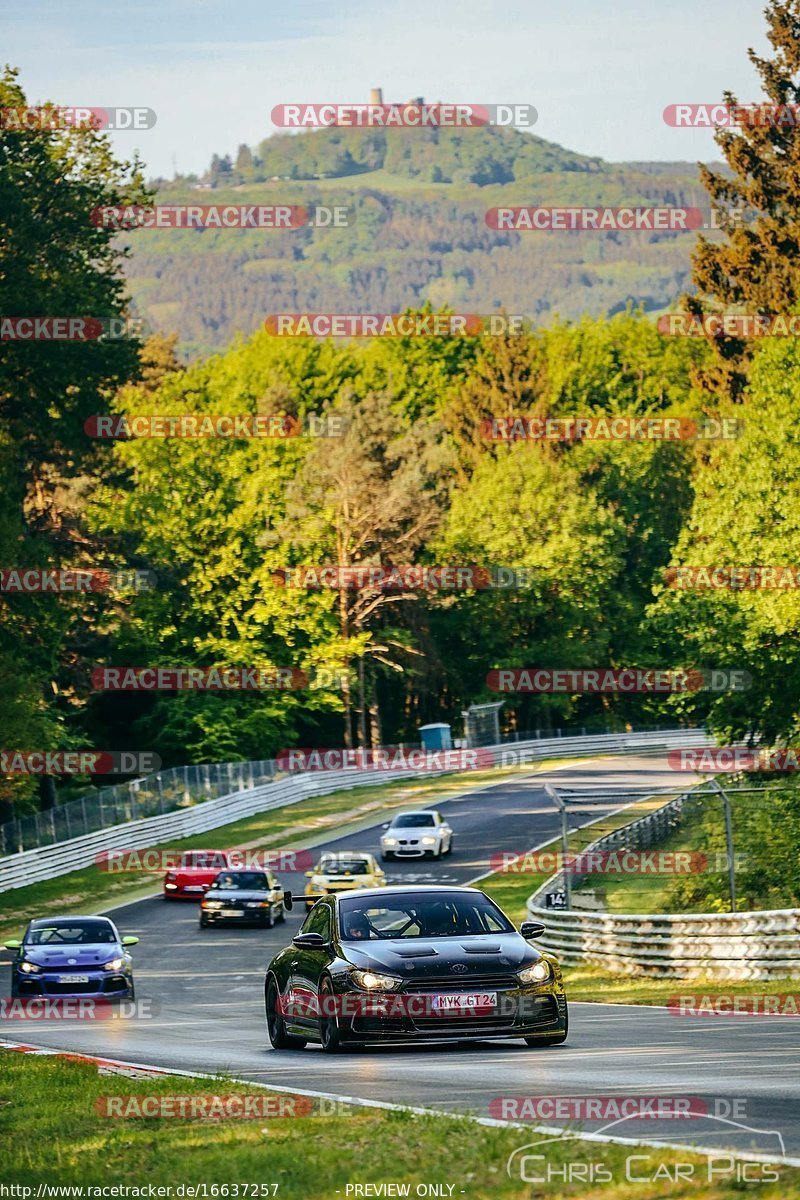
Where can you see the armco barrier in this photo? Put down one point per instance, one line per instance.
(723, 946)
(46, 862)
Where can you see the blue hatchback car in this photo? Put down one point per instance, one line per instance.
(73, 956)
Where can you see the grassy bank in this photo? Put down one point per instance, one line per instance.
(51, 1133)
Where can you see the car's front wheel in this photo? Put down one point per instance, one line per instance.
(329, 1034)
(281, 913)
(276, 1026)
(387, 857)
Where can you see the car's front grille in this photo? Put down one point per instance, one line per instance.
(466, 982)
(52, 988)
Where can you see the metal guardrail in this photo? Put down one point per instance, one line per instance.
(723, 946)
(45, 862)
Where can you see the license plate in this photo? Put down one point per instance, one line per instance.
(466, 1000)
(73, 979)
(231, 912)
(194, 887)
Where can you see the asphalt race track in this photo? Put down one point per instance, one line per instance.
(206, 989)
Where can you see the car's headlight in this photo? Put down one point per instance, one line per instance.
(389, 841)
(257, 904)
(116, 964)
(211, 904)
(29, 968)
(170, 887)
(429, 841)
(540, 972)
(372, 981)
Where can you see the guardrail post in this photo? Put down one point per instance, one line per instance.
(726, 804)
(559, 803)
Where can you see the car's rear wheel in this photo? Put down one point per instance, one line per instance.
(329, 1034)
(276, 1026)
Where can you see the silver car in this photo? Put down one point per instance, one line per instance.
(420, 834)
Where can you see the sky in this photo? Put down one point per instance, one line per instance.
(599, 74)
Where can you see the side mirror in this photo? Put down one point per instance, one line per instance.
(288, 902)
(14, 944)
(386, 826)
(309, 874)
(310, 940)
(130, 940)
(531, 929)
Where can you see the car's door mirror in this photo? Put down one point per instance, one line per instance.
(288, 902)
(130, 940)
(14, 944)
(386, 826)
(309, 874)
(531, 929)
(309, 940)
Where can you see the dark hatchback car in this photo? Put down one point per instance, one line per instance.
(412, 964)
(73, 956)
(242, 897)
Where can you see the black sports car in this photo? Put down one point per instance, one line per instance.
(399, 964)
(243, 896)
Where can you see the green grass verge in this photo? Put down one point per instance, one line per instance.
(297, 825)
(51, 1133)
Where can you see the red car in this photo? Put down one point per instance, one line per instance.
(194, 874)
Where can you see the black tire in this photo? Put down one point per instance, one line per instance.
(270, 918)
(203, 923)
(329, 1034)
(282, 913)
(449, 847)
(276, 1026)
(387, 857)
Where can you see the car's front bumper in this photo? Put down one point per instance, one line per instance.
(411, 849)
(520, 1013)
(105, 985)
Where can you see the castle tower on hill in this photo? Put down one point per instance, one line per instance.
(376, 95)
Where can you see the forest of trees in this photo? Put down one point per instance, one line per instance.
(410, 480)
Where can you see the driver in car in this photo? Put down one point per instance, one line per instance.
(358, 927)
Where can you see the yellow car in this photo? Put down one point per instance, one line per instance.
(342, 871)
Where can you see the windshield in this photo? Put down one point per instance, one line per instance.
(417, 916)
(412, 820)
(242, 880)
(203, 858)
(328, 865)
(71, 933)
